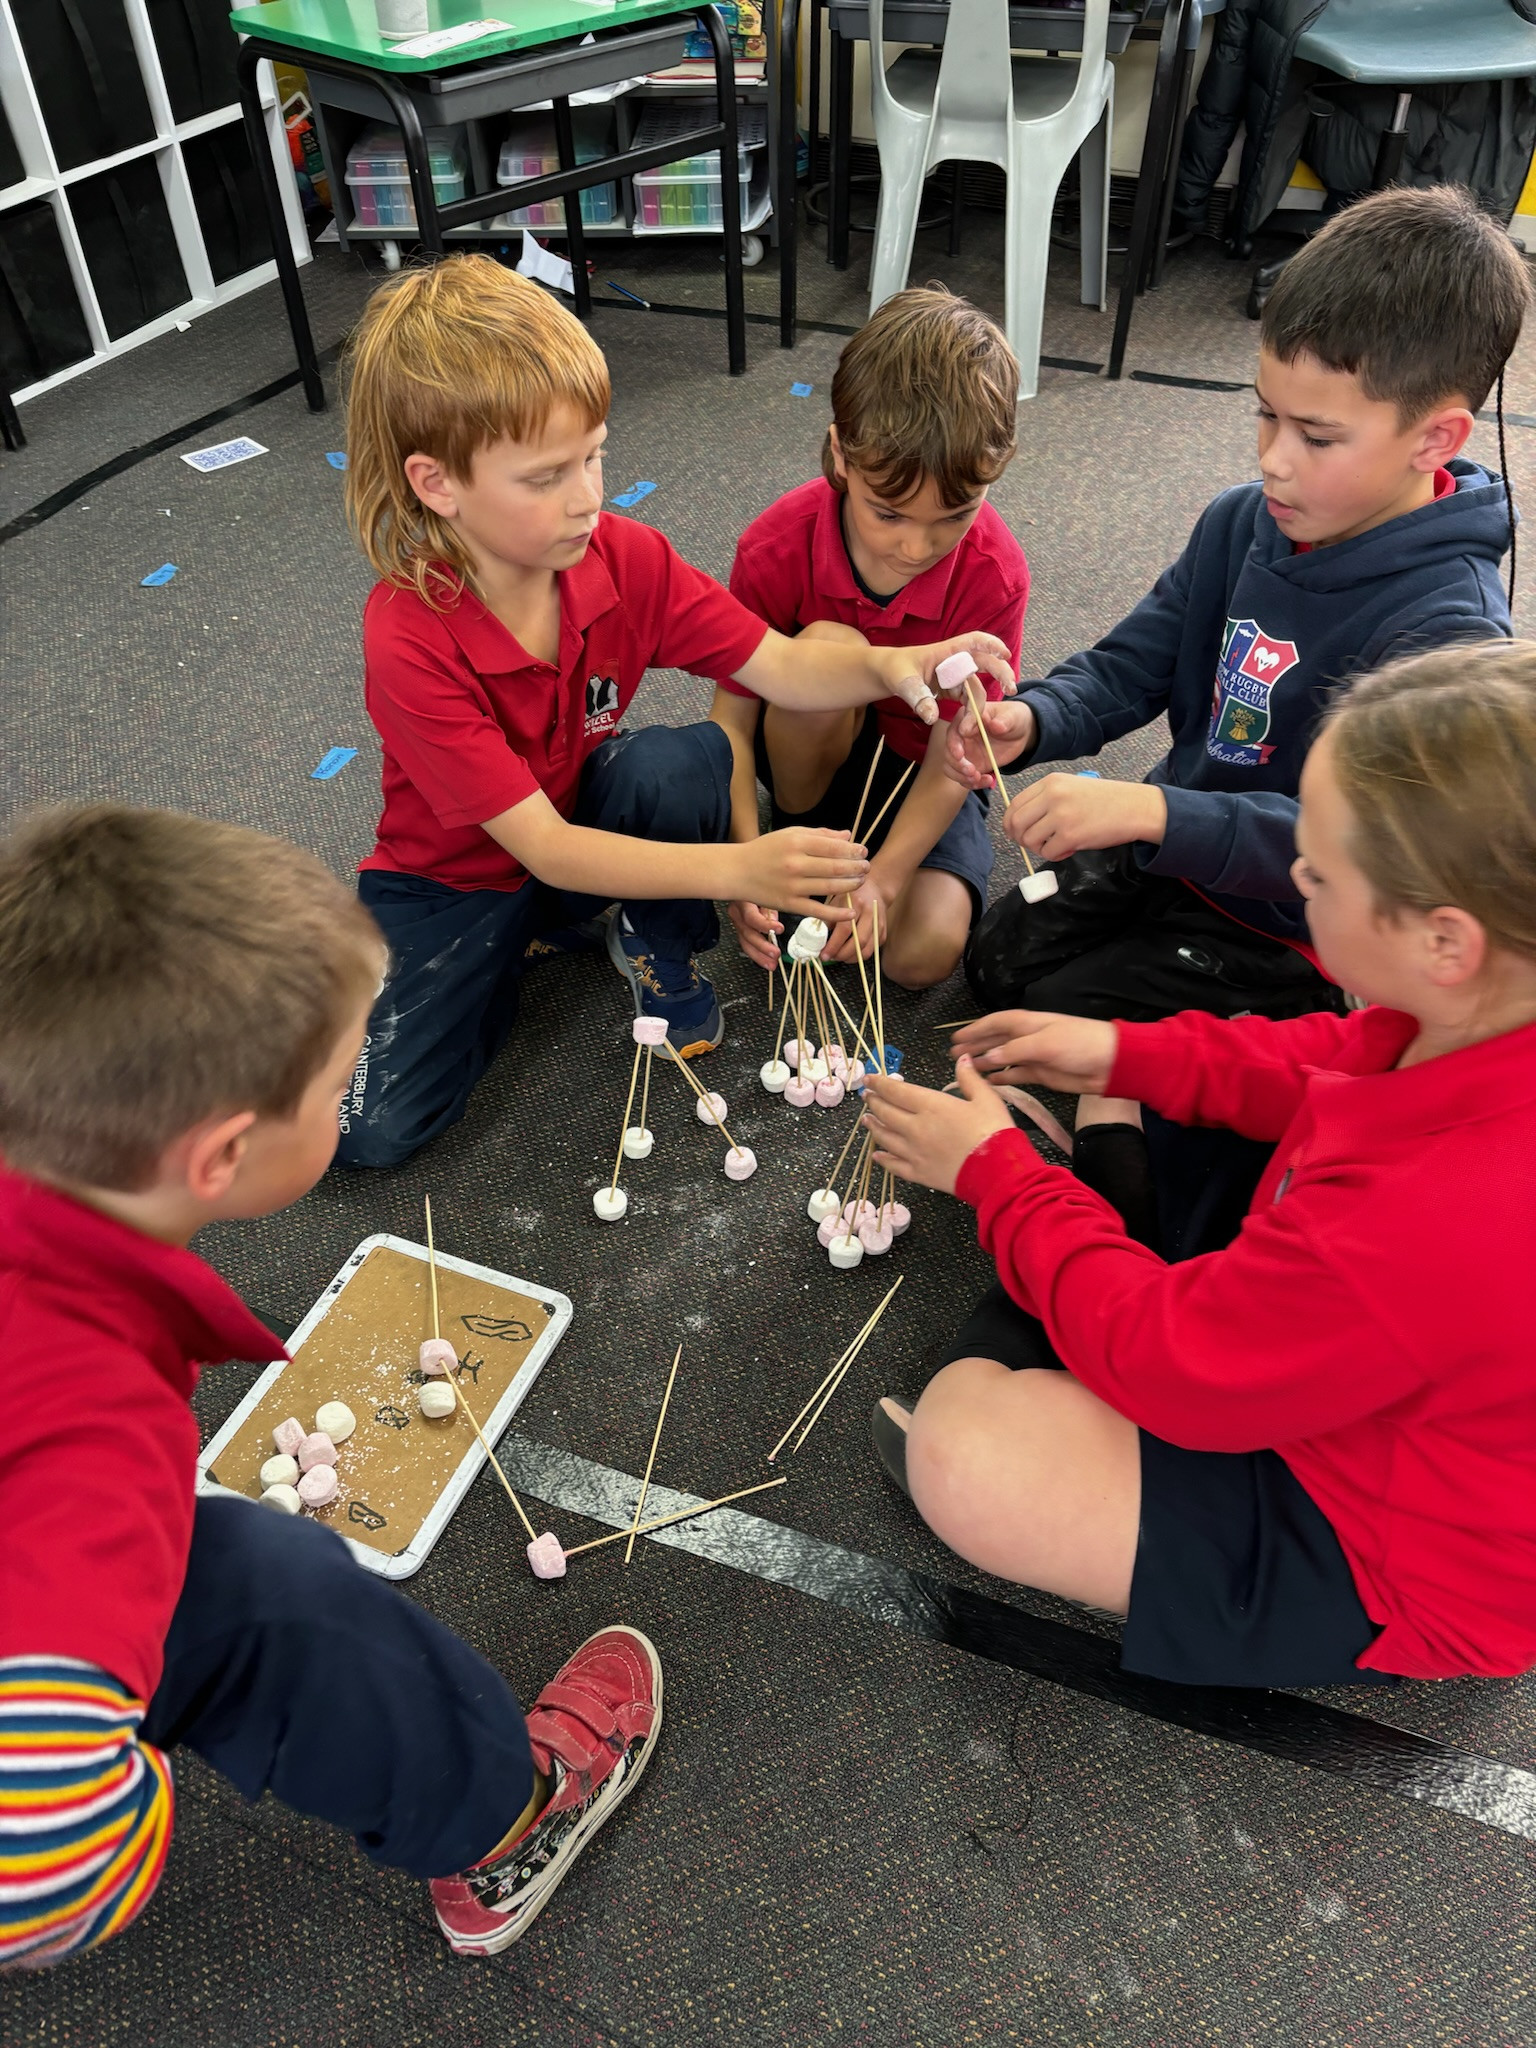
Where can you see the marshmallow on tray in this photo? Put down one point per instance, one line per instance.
(335, 1420)
(317, 1486)
(436, 1399)
(436, 1357)
(316, 1449)
(288, 1435)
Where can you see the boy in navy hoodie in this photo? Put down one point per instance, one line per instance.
(1367, 536)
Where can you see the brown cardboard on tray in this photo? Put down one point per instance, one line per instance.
(363, 1351)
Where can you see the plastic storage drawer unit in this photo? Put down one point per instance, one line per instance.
(529, 152)
(380, 183)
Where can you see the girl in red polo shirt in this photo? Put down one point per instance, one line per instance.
(1309, 1458)
(892, 545)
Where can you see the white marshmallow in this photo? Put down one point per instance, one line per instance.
(610, 1204)
(774, 1075)
(809, 936)
(638, 1142)
(279, 1471)
(1036, 887)
(284, 1498)
(336, 1419)
(824, 1202)
(845, 1253)
(814, 1070)
(436, 1398)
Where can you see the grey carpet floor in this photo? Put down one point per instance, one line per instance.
(847, 1835)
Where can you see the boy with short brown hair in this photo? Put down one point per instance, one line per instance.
(891, 546)
(181, 1007)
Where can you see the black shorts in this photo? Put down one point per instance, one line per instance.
(1239, 1578)
(964, 848)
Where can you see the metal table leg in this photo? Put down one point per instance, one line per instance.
(575, 239)
(1150, 180)
(730, 189)
(250, 57)
(840, 140)
(785, 197)
(10, 423)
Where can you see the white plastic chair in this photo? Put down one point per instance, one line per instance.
(973, 101)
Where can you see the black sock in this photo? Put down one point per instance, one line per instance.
(1112, 1159)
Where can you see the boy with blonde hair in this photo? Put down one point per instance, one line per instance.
(181, 1007)
(893, 544)
(511, 627)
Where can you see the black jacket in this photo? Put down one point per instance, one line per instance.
(1477, 135)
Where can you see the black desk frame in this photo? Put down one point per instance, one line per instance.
(404, 105)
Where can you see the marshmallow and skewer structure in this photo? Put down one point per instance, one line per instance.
(636, 1142)
(956, 671)
(535, 1541)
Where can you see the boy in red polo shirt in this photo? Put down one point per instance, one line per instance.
(509, 633)
(893, 545)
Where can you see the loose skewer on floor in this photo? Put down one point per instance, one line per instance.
(682, 1515)
(827, 1388)
(645, 1484)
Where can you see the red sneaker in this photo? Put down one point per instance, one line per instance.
(592, 1730)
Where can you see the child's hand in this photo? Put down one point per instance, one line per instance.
(755, 929)
(1074, 1054)
(797, 868)
(927, 1137)
(871, 902)
(907, 672)
(1062, 814)
(1011, 729)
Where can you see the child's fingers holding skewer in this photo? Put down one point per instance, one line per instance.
(927, 1137)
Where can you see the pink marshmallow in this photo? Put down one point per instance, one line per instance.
(740, 1163)
(855, 1076)
(898, 1216)
(317, 1486)
(650, 1030)
(288, 1435)
(546, 1557)
(835, 1057)
(800, 1094)
(953, 670)
(716, 1103)
(829, 1093)
(874, 1239)
(855, 1218)
(436, 1357)
(316, 1449)
(828, 1228)
(792, 1051)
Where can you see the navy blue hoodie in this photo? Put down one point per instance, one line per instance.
(1243, 642)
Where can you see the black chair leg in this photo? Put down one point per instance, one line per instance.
(840, 134)
(10, 424)
(956, 205)
(1149, 180)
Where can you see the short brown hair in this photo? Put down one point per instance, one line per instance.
(927, 388)
(1436, 758)
(1417, 293)
(446, 360)
(156, 970)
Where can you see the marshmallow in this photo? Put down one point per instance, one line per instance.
(1036, 887)
(875, 1239)
(336, 1419)
(845, 1253)
(709, 1108)
(316, 1449)
(436, 1398)
(953, 670)
(856, 1076)
(792, 1050)
(828, 1228)
(638, 1142)
(829, 1093)
(650, 1030)
(807, 939)
(834, 1056)
(317, 1486)
(814, 1069)
(897, 1217)
(740, 1163)
(546, 1556)
(856, 1215)
(288, 1436)
(800, 1094)
(436, 1357)
(284, 1498)
(279, 1471)
(774, 1075)
(610, 1204)
(824, 1202)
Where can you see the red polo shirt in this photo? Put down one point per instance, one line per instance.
(472, 723)
(101, 1328)
(792, 569)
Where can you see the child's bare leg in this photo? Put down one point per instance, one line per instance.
(928, 926)
(1107, 1109)
(1030, 1477)
(806, 748)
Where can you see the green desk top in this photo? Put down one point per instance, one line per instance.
(349, 28)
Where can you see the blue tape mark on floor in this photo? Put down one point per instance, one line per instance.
(158, 576)
(337, 460)
(801, 390)
(1369, 1753)
(634, 494)
(333, 763)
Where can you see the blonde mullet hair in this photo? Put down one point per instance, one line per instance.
(445, 361)
(1436, 758)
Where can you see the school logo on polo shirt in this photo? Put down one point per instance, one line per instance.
(1251, 664)
(602, 704)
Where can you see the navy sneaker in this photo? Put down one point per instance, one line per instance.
(673, 989)
(586, 937)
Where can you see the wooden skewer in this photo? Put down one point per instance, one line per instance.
(845, 1366)
(682, 1515)
(874, 763)
(701, 1092)
(847, 1147)
(618, 1157)
(453, 1382)
(645, 1088)
(986, 740)
(958, 1024)
(859, 1048)
(844, 1359)
(645, 1484)
(778, 1043)
(896, 792)
(879, 996)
